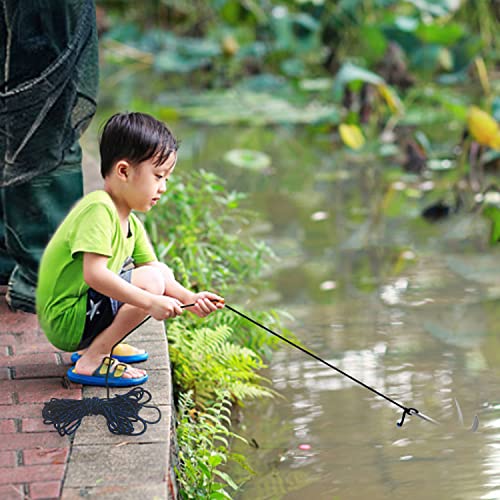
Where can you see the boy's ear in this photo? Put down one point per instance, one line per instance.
(122, 169)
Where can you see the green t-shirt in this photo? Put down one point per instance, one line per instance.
(92, 226)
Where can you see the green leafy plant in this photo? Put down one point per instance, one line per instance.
(245, 333)
(206, 362)
(198, 226)
(197, 231)
(203, 440)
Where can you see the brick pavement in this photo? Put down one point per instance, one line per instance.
(37, 463)
(33, 457)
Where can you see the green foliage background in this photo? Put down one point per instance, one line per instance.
(268, 62)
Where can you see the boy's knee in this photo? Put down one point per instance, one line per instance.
(166, 271)
(150, 279)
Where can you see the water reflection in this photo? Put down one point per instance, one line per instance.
(409, 308)
(356, 449)
(398, 303)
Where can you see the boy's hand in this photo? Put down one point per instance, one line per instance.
(164, 307)
(206, 303)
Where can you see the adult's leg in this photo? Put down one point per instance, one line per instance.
(48, 85)
(7, 262)
(31, 213)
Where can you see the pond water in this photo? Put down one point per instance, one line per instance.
(408, 307)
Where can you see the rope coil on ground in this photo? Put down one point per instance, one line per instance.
(121, 412)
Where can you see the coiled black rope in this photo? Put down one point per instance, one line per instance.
(120, 412)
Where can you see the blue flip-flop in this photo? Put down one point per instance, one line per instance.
(115, 377)
(131, 358)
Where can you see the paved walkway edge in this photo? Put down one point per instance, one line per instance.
(107, 466)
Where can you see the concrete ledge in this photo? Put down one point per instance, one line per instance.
(106, 466)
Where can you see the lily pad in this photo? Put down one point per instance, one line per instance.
(256, 108)
(441, 164)
(248, 158)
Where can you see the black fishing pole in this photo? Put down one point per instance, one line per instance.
(122, 411)
(406, 410)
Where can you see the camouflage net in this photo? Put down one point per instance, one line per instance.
(48, 83)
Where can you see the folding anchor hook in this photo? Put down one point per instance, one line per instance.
(407, 411)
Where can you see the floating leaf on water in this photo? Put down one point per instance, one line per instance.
(398, 186)
(171, 62)
(330, 176)
(432, 116)
(444, 164)
(247, 158)
(315, 84)
(183, 54)
(264, 82)
(492, 198)
(328, 285)
(293, 67)
(388, 150)
(426, 186)
(318, 216)
(351, 135)
(435, 8)
(406, 23)
(408, 255)
(256, 108)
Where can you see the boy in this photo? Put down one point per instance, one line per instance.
(86, 298)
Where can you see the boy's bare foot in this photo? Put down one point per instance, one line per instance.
(122, 349)
(87, 365)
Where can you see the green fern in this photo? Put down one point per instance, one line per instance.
(206, 362)
(203, 441)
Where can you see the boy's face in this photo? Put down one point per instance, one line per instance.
(147, 182)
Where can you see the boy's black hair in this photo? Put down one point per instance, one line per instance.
(134, 137)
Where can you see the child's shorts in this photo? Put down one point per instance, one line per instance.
(101, 312)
